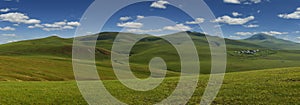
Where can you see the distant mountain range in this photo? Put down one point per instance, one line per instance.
(272, 42)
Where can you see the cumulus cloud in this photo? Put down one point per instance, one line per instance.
(130, 25)
(293, 15)
(4, 10)
(7, 29)
(233, 21)
(125, 18)
(196, 21)
(18, 18)
(236, 14)
(178, 27)
(160, 4)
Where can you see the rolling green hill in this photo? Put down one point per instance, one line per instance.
(49, 59)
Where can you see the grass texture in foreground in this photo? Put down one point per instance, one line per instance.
(271, 86)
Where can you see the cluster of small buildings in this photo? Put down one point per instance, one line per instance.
(248, 51)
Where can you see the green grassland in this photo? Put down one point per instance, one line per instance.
(40, 71)
(271, 86)
(49, 59)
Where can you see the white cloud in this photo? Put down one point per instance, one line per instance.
(7, 29)
(197, 21)
(298, 38)
(10, 41)
(143, 31)
(125, 18)
(140, 17)
(36, 26)
(56, 26)
(232, 1)
(67, 27)
(32, 21)
(233, 21)
(10, 35)
(178, 27)
(245, 33)
(251, 26)
(51, 29)
(52, 25)
(159, 4)
(18, 18)
(4, 10)
(236, 14)
(242, 1)
(255, 1)
(294, 15)
(271, 33)
(75, 24)
(130, 25)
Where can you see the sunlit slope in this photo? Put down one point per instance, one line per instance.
(264, 87)
(50, 58)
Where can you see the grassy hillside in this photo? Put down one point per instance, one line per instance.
(49, 59)
(272, 86)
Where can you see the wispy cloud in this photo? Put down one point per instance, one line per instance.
(125, 18)
(196, 21)
(9, 35)
(251, 26)
(178, 27)
(235, 14)
(62, 25)
(271, 33)
(242, 1)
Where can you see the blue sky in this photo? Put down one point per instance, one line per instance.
(29, 19)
